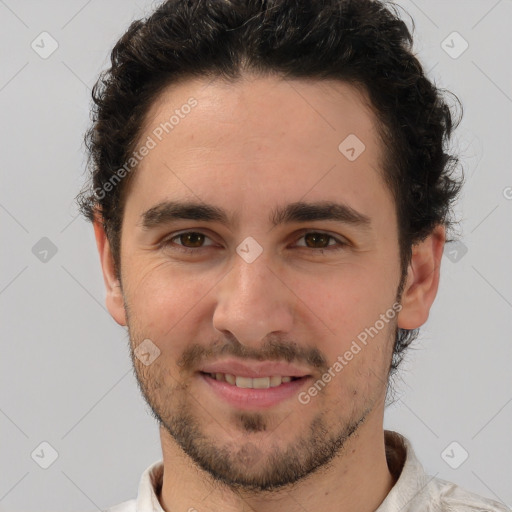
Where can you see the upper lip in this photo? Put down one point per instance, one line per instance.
(255, 369)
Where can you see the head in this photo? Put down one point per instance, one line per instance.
(274, 114)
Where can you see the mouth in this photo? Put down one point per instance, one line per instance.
(252, 393)
(253, 383)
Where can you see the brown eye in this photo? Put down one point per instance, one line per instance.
(190, 242)
(321, 243)
(317, 240)
(191, 239)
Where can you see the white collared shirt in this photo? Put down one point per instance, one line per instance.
(414, 491)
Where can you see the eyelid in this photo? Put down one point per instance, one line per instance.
(341, 242)
(169, 239)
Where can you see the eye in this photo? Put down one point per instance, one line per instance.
(190, 241)
(318, 241)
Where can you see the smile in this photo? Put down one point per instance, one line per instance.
(255, 383)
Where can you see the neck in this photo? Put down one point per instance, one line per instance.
(357, 480)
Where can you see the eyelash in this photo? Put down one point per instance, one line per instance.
(340, 244)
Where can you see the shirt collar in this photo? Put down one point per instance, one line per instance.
(150, 487)
(411, 479)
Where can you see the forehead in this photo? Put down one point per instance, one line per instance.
(320, 110)
(258, 137)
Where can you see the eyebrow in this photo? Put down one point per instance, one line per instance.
(168, 211)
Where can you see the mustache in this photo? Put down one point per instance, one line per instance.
(274, 348)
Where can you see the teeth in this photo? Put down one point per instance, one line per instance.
(275, 381)
(261, 383)
(247, 382)
(244, 382)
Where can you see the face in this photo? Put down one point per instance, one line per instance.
(269, 283)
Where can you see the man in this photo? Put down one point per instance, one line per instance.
(271, 196)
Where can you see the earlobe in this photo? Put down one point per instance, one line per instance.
(114, 298)
(422, 280)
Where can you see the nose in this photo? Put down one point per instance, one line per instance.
(253, 301)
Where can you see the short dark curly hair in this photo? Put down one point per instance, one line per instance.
(360, 42)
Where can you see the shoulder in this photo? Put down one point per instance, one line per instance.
(416, 491)
(125, 506)
(447, 496)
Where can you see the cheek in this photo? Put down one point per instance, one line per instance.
(160, 297)
(348, 299)
(357, 342)
(360, 368)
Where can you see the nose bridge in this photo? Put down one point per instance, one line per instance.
(252, 302)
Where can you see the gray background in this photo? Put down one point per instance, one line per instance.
(65, 368)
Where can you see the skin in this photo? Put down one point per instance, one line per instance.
(249, 147)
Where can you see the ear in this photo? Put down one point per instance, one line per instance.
(422, 281)
(114, 299)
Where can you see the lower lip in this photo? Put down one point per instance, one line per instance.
(247, 398)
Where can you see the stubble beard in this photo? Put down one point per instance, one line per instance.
(251, 465)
